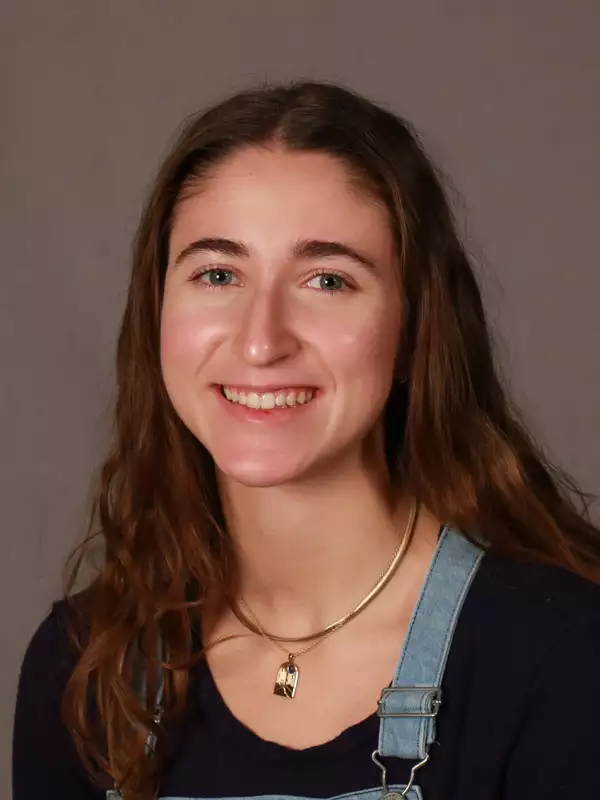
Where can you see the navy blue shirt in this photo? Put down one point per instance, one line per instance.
(519, 718)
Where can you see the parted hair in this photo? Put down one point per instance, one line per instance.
(453, 438)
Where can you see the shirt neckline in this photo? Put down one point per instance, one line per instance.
(212, 706)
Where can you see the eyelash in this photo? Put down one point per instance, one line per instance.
(348, 287)
(211, 287)
(195, 278)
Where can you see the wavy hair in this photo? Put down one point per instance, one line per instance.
(453, 438)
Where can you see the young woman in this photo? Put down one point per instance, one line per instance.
(335, 562)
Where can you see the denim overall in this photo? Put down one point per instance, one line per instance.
(409, 706)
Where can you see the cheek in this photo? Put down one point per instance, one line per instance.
(187, 339)
(366, 356)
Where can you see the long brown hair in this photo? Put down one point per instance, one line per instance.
(452, 436)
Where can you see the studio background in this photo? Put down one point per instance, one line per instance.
(506, 96)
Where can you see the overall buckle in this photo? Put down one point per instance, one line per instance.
(432, 695)
(408, 702)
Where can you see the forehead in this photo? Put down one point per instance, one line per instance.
(304, 194)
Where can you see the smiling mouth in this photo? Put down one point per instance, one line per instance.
(280, 398)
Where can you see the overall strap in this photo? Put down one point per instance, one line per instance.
(409, 706)
(150, 745)
(142, 690)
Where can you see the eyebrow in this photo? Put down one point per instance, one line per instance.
(304, 249)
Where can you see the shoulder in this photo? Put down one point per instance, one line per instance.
(548, 594)
(545, 609)
(48, 663)
(52, 653)
(40, 736)
(515, 615)
(544, 659)
(516, 618)
(526, 645)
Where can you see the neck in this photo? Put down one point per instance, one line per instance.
(309, 551)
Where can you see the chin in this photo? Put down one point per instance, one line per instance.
(260, 472)
(257, 478)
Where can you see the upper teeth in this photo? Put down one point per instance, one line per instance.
(267, 400)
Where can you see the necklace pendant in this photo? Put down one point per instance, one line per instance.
(287, 679)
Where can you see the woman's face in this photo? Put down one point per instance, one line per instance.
(281, 315)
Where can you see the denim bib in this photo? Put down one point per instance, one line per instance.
(408, 707)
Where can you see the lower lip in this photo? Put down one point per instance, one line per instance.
(264, 415)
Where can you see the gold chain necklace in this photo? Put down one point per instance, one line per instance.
(288, 673)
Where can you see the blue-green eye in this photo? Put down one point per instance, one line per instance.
(328, 282)
(216, 277)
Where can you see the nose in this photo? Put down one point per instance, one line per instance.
(265, 334)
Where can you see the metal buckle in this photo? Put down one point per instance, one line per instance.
(152, 738)
(387, 795)
(435, 701)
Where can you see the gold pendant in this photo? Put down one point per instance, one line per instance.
(287, 679)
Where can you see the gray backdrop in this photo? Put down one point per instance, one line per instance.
(505, 94)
